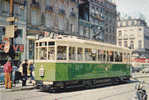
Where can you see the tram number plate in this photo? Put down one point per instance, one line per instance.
(41, 72)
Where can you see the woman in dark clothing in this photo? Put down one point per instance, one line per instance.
(24, 73)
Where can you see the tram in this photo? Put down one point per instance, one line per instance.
(67, 62)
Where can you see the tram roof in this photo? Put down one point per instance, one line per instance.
(72, 39)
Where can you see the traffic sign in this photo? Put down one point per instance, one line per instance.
(10, 19)
(9, 32)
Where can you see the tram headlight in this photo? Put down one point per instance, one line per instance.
(48, 83)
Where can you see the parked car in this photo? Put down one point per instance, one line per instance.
(145, 70)
(136, 69)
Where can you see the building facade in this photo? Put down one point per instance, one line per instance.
(38, 18)
(134, 34)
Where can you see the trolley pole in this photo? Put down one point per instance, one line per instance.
(11, 14)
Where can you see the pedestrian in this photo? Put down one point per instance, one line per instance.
(7, 73)
(31, 68)
(15, 68)
(24, 72)
(141, 92)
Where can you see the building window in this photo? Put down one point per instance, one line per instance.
(4, 7)
(132, 44)
(35, 17)
(140, 44)
(119, 33)
(131, 36)
(120, 43)
(140, 29)
(125, 44)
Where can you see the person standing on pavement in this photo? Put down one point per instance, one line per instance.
(7, 73)
(31, 68)
(24, 72)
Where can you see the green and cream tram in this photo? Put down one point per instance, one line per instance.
(68, 62)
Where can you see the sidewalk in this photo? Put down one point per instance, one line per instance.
(140, 75)
(17, 87)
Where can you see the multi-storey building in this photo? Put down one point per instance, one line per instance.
(91, 19)
(134, 34)
(97, 20)
(110, 22)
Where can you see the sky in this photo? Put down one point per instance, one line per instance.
(133, 8)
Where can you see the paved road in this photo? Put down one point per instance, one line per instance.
(117, 92)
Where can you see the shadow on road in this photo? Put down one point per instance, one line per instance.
(83, 88)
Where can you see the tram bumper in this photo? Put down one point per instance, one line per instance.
(44, 85)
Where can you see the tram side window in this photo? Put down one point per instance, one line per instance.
(121, 57)
(88, 54)
(108, 56)
(104, 56)
(43, 53)
(111, 58)
(100, 55)
(80, 54)
(118, 57)
(94, 54)
(51, 53)
(126, 57)
(72, 54)
(61, 52)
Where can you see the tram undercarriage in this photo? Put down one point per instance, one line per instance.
(86, 84)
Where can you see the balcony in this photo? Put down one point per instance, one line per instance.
(20, 2)
(96, 16)
(49, 8)
(61, 12)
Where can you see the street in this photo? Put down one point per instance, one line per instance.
(116, 92)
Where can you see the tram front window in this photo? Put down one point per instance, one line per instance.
(51, 53)
(61, 52)
(43, 53)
